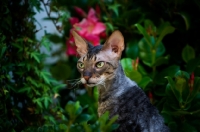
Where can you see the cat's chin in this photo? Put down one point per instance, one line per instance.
(91, 85)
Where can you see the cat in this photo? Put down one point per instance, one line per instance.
(100, 66)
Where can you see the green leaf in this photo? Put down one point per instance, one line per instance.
(144, 33)
(73, 109)
(57, 87)
(169, 71)
(170, 105)
(132, 50)
(148, 54)
(148, 24)
(83, 118)
(172, 86)
(45, 75)
(106, 124)
(161, 60)
(55, 38)
(110, 26)
(3, 49)
(188, 53)
(166, 30)
(127, 64)
(36, 56)
(144, 82)
(18, 46)
(129, 71)
(186, 19)
(63, 127)
(38, 102)
(114, 7)
(32, 81)
(24, 89)
(17, 114)
(47, 101)
(182, 87)
(193, 64)
(182, 74)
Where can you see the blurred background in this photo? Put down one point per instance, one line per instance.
(39, 82)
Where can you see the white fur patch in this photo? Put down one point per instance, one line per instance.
(83, 81)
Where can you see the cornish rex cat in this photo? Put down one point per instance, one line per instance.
(100, 66)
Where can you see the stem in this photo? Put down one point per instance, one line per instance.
(153, 61)
(107, 13)
(49, 14)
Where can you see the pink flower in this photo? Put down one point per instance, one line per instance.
(71, 48)
(89, 28)
(191, 81)
(73, 20)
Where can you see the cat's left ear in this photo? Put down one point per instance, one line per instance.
(115, 44)
(82, 47)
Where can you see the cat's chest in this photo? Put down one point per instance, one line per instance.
(110, 105)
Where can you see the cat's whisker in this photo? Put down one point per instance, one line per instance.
(73, 80)
(73, 83)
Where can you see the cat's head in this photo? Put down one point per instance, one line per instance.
(98, 63)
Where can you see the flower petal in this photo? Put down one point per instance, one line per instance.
(98, 28)
(92, 15)
(73, 20)
(93, 39)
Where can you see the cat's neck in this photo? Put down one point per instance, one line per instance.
(112, 90)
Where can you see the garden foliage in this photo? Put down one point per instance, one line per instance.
(161, 55)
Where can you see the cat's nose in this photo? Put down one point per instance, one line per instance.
(86, 78)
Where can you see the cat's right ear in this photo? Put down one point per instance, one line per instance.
(114, 45)
(82, 47)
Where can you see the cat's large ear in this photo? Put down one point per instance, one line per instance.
(82, 47)
(114, 44)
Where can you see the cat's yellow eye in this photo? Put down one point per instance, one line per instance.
(80, 65)
(100, 64)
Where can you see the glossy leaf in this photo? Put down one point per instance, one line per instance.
(166, 30)
(83, 118)
(73, 109)
(144, 33)
(129, 71)
(193, 64)
(175, 91)
(114, 8)
(36, 56)
(186, 19)
(127, 64)
(169, 71)
(3, 50)
(161, 60)
(148, 54)
(47, 101)
(188, 53)
(132, 50)
(144, 82)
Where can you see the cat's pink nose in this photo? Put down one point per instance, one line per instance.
(86, 78)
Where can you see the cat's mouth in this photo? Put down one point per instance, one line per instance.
(91, 84)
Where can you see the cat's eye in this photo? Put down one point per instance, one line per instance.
(100, 64)
(80, 65)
